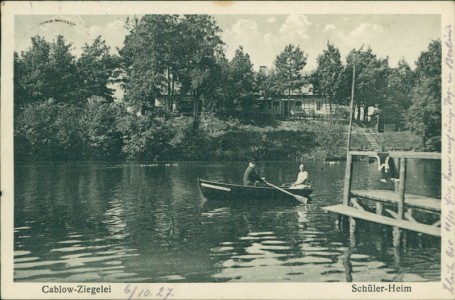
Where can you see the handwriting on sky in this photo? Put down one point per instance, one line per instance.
(448, 280)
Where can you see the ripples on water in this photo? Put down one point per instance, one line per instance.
(149, 223)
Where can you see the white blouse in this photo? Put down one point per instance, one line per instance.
(301, 177)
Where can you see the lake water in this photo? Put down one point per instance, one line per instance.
(132, 222)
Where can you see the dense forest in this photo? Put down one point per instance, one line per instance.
(64, 106)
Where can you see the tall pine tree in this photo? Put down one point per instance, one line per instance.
(289, 65)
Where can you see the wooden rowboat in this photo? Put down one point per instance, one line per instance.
(225, 191)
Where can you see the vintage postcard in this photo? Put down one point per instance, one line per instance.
(227, 150)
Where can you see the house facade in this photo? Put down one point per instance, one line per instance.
(297, 106)
(283, 106)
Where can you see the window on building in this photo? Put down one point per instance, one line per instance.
(276, 105)
(298, 106)
(318, 105)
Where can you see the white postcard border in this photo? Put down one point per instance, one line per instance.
(14, 290)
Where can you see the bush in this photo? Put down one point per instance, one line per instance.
(330, 140)
(102, 138)
(107, 131)
(49, 131)
(263, 145)
(342, 113)
(195, 144)
(146, 138)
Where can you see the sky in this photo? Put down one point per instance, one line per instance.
(263, 37)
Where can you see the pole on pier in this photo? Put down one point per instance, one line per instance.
(401, 196)
(348, 172)
(352, 105)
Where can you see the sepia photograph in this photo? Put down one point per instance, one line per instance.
(254, 150)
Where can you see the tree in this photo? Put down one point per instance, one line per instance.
(242, 79)
(260, 80)
(289, 65)
(219, 97)
(370, 80)
(165, 51)
(64, 80)
(96, 68)
(225, 92)
(203, 52)
(21, 96)
(46, 71)
(144, 61)
(266, 83)
(32, 73)
(328, 75)
(397, 98)
(424, 115)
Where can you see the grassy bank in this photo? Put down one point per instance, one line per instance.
(401, 140)
(294, 140)
(286, 140)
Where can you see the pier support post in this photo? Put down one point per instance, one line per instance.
(404, 240)
(402, 188)
(379, 208)
(347, 180)
(397, 256)
(348, 264)
(352, 225)
(396, 236)
(396, 183)
(401, 193)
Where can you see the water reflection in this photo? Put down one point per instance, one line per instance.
(149, 222)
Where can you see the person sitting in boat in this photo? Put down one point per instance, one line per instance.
(251, 177)
(302, 179)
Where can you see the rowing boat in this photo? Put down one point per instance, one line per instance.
(225, 191)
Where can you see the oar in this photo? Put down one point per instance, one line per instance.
(299, 198)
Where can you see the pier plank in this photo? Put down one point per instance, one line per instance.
(360, 214)
(416, 201)
(403, 154)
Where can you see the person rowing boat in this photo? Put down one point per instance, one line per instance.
(250, 177)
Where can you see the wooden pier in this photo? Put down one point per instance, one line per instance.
(393, 208)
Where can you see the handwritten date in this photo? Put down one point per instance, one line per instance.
(133, 292)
